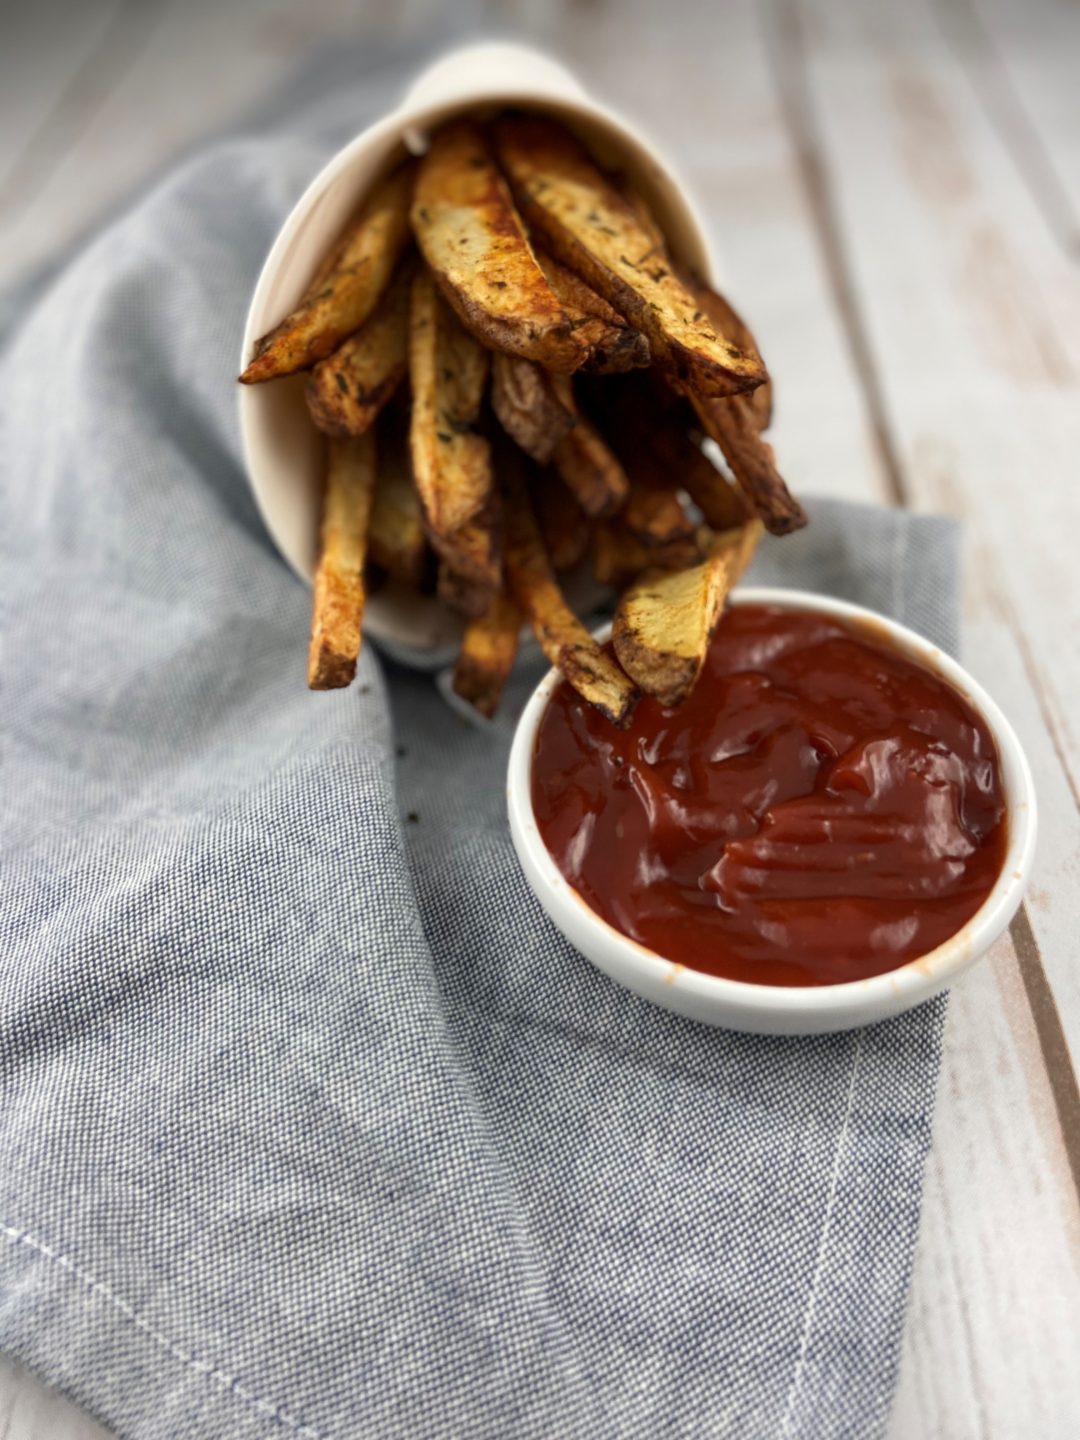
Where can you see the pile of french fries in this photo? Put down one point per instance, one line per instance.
(514, 374)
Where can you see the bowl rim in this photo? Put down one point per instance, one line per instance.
(877, 995)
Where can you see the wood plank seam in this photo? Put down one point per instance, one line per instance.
(979, 59)
(1053, 1044)
(1010, 620)
(784, 46)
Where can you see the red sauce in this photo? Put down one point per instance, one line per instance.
(819, 810)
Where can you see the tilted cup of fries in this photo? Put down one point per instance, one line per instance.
(484, 350)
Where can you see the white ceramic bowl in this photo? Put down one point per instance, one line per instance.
(283, 452)
(774, 1009)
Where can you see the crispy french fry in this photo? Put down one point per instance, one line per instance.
(664, 621)
(752, 464)
(463, 594)
(727, 321)
(448, 372)
(687, 465)
(590, 227)
(338, 603)
(475, 551)
(650, 426)
(654, 514)
(618, 556)
(614, 346)
(587, 464)
(396, 540)
(562, 522)
(527, 405)
(347, 390)
(341, 300)
(562, 637)
(473, 239)
(488, 650)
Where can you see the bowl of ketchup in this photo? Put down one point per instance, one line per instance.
(834, 825)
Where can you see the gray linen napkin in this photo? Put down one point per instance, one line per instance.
(311, 1124)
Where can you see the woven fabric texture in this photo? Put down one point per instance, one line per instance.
(311, 1125)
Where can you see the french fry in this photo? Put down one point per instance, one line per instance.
(475, 551)
(654, 515)
(618, 556)
(347, 390)
(727, 321)
(590, 227)
(341, 299)
(723, 317)
(461, 593)
(751, 460)
(488, 650)
(338, 603)
(527, 405)
(562, 637)
(675, 452)
(562, 522)
(614, 346)
(588, 466)
(396, 540)
(448, 372)
(650, 427)
(665, 620)
(473, 239)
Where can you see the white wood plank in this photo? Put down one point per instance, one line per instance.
(995, 1318)
(974, 315)
(994, 1326)
(1024, 60)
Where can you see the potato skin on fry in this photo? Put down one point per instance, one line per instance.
(488, 650)
(733, 428)
(396, 539)
(462, 594)
(339, 301)
(590, 227)
(561, 635)
(727, 321)
(563, 526)
(654, 515)
(347, 390)
(614, 346)
(472, 238)
(528, 406)
(652, 427)
(664, 621)
(448, 372)
(338, 601)
(619, 557)
(587, 464)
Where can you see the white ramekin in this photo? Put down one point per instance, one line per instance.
(774, 1009)
(282, 450)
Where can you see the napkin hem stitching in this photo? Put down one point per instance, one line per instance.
(811, 1301)
(203, 1367)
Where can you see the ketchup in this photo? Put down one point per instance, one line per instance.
(819, 810)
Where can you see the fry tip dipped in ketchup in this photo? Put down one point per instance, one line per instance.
(820, 809)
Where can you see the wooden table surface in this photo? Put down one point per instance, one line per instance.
(896, 191)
